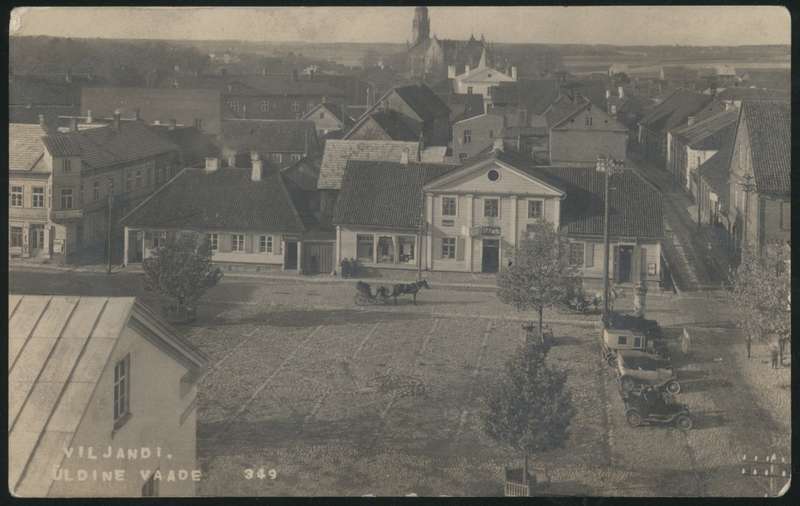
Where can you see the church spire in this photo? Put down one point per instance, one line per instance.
(421, 26)
(482, 63)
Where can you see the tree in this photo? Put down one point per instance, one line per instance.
(762, 295)
(540, 274)
(530, 408)
(181, 270)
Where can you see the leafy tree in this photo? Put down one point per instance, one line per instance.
(762, 295)
(181, 270)
(529, 408)
(540, 274)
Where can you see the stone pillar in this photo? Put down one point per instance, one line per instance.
(299, 257)
(126, 233)
(26, 248)
(283, 254)
(468, 242)
(47, 249)
(514, 220)
(338, 249)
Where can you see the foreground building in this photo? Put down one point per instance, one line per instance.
(92, 373)
(433, 217)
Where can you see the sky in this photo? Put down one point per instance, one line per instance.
(645, 25)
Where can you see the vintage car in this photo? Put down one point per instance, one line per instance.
(649, 405)
(625, 332)
(637, 368)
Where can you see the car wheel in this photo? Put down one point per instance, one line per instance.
(684, 422)
(673, 387)
(634, 418)
(627, 384)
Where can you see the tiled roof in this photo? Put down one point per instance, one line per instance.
(534, 95)
(194, 145)
(334, 109)
(385, 194)
(226, 199)
(394, 125)
(463, 105)
(303, 174)
(338, 152)
(25, 147)
(423, 101)
(105, 146)
(58, 348)
(769, 129)
(716, 170)
(709, 133)
(740, 93)
(562, 108)
(593, 90)
(269, 136)
(674, 110)
(635, 206)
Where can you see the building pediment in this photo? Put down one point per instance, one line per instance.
(493, 176)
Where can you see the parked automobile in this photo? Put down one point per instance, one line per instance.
(625, 332)
(640, 368)
(649, 405)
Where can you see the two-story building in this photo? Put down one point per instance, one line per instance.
(279, 143)
(470, 218)
(329, 118)
(760, 176)
(60, 184)
(480, 79)
(474, 134)
(90, 378)
(587, 132)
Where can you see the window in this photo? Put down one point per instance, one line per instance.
(265, 244)
(237, 242)
(364, 247)
(198, 123)
(213, 241)
(66, 198)
(150, 487)
(296, 157)
(122, 389)
(405, 246)
(530, 231)
(276, 157)
(622, 340)
(385, 250)
(17, 193)
(576, 253)
(462, 156)
(264, 106)
(449, 206)
(38, 197)
(588, 121)
(469, 90)
(16, 237)
(138, 178)
(467, 136)
(322, 115)
(493, 175)
(491, 208)
(96, 191)
(67, 165)
(637, 341)
(158, 239)
(448, 247)
(295, 106)
(535, 209)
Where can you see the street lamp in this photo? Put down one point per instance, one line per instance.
(609, 166)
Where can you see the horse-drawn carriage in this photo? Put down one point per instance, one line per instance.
(364, 294)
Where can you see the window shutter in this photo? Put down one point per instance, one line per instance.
(225, 243)
(437, 248)
(249, 239)
(277, 245)
(589, 254)
(643, 256)
(460, 249)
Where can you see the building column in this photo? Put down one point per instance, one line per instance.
(468, 241)
(144, 242)
(46, 246)
(283, 254)
(26, 248)
(337, 250)
(126, 232)
(396, 253)
(514, 220)
(299, 256)
(429, 219)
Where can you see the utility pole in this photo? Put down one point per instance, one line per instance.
(748, 186)
(606, 165)
(108, 226)
(420, 233)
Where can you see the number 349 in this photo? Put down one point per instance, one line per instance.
(260, 473)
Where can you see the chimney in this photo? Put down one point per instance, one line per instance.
(451, 71)
(620, 92)
(89, 118)
(514, 72)
(117, 118)
(42, 122)
(690, 120)
(404, 157)
(212, 164)
(73, 124)
(172, 123)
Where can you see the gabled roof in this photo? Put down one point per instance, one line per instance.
(226, 199)
(25, 147)
(304, 173)
(563, 107)
(422, 100)
(338, 152)
(610, 125)
(58, 350)
(268, 136)
(387, 194)
(534, 95)
(194, 145)
(106, 146)
(716, 170)
(392, 123)
(709, 133)
(335, 110)
(675, 109)
(635, 205)
(769, 129)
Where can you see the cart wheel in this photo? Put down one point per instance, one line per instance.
(673, 387)
(627, 384)
(684, 422)
(634, 418)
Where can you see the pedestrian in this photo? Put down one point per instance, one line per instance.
(747, 343)
(774, 352)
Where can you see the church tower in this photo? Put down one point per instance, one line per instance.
(421, 26)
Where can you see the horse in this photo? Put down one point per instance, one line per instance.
(408, 288)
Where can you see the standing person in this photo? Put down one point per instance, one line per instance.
(747, 341)
(774, 353)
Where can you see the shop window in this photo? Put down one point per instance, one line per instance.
(405, 245)
(265, 244)
(237, 242)
(16, 237)
(385, 250)
(365, 245)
